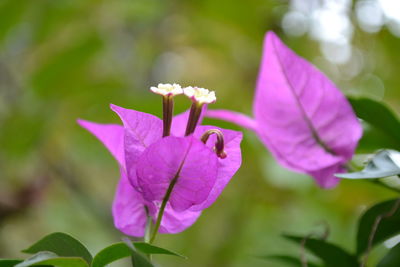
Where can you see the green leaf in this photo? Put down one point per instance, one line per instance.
(330, 254)
(121, 250)
(374, 139)
(150, 249)
(51, 259)
(392, 258)
(289, 261)
(110, 254)
(138, 259)
(383, 164)
(64, 262)
(62, 244)
(382, 123)
(9, 262)
(41, 256)
(388, 227)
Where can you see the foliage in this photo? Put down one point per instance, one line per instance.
(60, 249)
(379, 223)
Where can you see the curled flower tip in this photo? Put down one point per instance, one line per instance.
(200, 95)
(219, 144)
(167, 89)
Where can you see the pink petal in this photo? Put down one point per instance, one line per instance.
(304, 120)
(129, 209)
(141, 130)
(111, 135)
(194, 163)
(227, 167)
(130, 216)
(325, 177)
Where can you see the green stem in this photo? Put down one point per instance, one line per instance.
(148, 226)
(162, 208)
(165, 200)
(147, 229)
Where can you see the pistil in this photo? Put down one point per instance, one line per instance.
(219, 144)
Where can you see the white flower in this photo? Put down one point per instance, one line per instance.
(167, 89)
(200, 95)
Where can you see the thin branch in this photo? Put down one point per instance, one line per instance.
(377, 221)
(303, 258)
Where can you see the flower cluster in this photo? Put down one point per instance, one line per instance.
(171, 169)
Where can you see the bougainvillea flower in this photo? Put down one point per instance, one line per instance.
(300, 115)
(188, 168)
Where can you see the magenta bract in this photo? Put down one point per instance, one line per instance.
(130, 215)
(149, 163)
(300, 115)
(185, 157)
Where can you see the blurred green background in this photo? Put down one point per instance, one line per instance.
(67, 59)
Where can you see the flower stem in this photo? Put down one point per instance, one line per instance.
(168, 109)
(194, 117)
(162, 208)
(148, 226)
(147, 229)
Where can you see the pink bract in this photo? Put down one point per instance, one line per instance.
(300, 115)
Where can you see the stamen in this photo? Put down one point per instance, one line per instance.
(219, 145)
(168, 91)
(168, 112)
(199, 96)
(194, 117)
